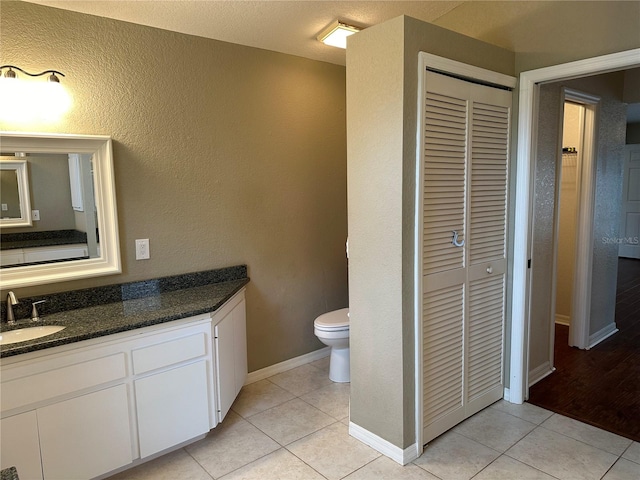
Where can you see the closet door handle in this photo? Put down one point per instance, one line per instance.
(455, 241)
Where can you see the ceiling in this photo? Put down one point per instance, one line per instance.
(292, 26)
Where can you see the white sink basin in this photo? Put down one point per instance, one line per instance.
(24, 334)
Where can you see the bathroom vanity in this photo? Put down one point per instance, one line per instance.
(161, 372)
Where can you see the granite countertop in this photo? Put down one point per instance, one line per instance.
(10, 241)
(9, 474)
(128, 314)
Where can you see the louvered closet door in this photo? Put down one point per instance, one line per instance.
(466, 131)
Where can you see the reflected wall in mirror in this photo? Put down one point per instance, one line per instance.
(14, 193)
(71, 185)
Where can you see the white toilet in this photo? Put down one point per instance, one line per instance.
(332, 329)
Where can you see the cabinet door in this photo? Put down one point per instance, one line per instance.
(231, 357)
(20, 446)
(240, 346)
(224, 336)
(172, 407)
(86, 436)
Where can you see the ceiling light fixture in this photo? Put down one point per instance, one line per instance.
(336, 34)
(25, 101)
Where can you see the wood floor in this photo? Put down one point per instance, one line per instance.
(601, 386)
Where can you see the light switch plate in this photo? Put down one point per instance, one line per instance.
(35, 214)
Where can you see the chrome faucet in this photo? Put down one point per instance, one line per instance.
(11, 301)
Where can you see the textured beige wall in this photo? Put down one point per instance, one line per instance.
(382, 86)
(545, 33)
(223, 155)
(374, 172)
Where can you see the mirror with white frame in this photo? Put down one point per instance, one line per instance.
(71, 179)
(14, 193)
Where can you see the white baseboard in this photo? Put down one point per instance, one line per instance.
(540, 372)
(602, 334)
(563, 319)
(507, 395)
(388, 449)
(271, 370)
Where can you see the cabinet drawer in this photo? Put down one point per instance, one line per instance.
(61, 381)
(169, 353)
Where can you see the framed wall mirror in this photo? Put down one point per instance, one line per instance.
(14, 193)
(69, 185)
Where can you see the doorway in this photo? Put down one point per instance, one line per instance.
(574, 224)
(566, 238)
(521, 272)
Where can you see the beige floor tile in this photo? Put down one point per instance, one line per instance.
(506, 468)
(258, 397)
(231, 445)
(596, 437)
(623, 469)
(561, 456)
(178, 464)
(633, 452)
(495, 429)
(301, 380)
(280, 465)
(526, 411)
(332, 399)
(332, 452)
(383, 468)
(322, 364)
(291, 421)
(455, 457)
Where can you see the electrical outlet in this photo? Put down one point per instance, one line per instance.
(5, 207)
(35, 215)
(142, 249)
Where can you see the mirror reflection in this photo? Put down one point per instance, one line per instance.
(14, 193)
(9, 195)
(60, 190)
(66, 191)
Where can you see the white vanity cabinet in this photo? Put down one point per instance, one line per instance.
(83, 410)
(172, 388)
(20, 444)
(69, 410)
(230, 334)
(85, 436)
(18, 256)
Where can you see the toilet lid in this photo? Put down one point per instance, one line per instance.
(336, 320)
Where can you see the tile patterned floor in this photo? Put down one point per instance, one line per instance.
(294, 425)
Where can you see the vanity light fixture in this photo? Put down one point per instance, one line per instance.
(336, 34)
(22, 100)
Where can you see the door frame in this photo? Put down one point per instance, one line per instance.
(458, 69)
(518, 390)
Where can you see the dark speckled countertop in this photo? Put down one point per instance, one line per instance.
(9, 474)
(140, 304)
(52, 238)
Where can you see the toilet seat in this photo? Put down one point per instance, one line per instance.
(335, 321)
